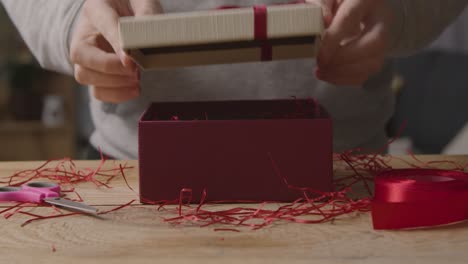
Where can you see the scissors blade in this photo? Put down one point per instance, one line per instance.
(71, 205)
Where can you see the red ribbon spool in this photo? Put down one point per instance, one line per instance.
(417, 198)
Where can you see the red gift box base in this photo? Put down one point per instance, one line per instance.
(231, 149)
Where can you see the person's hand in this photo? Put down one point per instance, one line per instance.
(95, 48)
(355, 42)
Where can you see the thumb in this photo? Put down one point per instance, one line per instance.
(327, 9)
(105, 18)
(146, 7)
(348, 18)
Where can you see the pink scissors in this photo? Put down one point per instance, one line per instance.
(37, 192)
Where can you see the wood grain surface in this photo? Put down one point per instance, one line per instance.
(137, 234)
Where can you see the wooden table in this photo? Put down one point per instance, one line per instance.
(138, 235)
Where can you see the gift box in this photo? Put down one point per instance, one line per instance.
(234, 150)
(222, 36)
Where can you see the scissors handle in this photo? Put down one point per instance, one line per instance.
(34, 192)
(10, 194)
(48, 189)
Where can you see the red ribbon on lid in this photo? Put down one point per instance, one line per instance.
(417, 198)
(261, 31)
(261, 27)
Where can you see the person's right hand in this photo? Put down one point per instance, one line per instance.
(95, 48)
(356, 40)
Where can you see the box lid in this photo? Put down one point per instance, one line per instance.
(221, 36)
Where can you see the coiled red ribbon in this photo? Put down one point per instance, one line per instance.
(416, 198)
(261, 27)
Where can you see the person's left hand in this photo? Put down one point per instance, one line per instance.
(355, 42)
(96, 51)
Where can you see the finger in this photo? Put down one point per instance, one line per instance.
(346, 22)
(105, 18)
(327, 9)
(367, 66)
(146, 7)
(92, 57)
(344, 80)
(88, 76)
(111, 95)
(352, 74)
(371, 43)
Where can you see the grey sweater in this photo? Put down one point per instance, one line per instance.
(360, 114)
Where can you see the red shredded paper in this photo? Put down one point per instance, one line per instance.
(323, 207)
(65, 173)
(359, 171)
(312, 208)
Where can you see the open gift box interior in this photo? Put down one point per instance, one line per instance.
(236, 110)
(235, 150)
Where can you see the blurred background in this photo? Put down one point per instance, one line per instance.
(44, 115)
(432, 96)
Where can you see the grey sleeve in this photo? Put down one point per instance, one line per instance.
(45, 26)
(419, 22)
